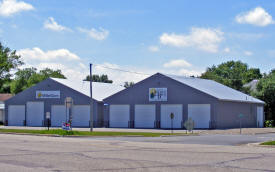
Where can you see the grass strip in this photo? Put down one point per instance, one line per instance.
(268, 143)
(61, 132)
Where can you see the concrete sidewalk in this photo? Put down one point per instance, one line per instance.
(248, 131)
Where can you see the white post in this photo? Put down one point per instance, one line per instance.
(91, 100)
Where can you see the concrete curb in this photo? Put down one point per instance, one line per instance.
(75, 136)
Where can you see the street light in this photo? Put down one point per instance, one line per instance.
(91, 100)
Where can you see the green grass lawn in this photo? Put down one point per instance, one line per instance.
(269, 143)
(61, 132)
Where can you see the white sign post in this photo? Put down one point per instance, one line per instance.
(68, 105)
(48, 116)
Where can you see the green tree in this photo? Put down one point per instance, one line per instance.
(266, 92)
(128, 84)
(233, 74)
(99, 78)
(9, 61)
(25, 78)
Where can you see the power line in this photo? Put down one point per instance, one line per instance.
(139, 73)
(122, 70)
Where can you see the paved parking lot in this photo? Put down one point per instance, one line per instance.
(41, 153)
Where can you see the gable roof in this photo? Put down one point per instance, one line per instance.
(215, 89)
(100, 90)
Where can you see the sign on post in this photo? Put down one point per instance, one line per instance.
(172, 119)
(48, 116)
(240, 117)
(68, 105)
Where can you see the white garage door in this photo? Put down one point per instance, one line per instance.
(16, 115)
(119, 116)
(58, 115)
(165, 120)
(145, 116)
(260, 116)
(200, 113)
(81, 116)
(35, 113)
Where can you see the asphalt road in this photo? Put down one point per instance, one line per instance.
(212, 139)
(40, 153)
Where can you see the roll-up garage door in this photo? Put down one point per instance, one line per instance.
(81, 116)
(16, 115)
(260, 116)
(145, 116)
(119, 116)
(166, 110)
(200, 113)
(35, 113)
(58, 115)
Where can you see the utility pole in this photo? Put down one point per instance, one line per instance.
(91, 100)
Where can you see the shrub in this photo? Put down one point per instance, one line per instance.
(269, 123)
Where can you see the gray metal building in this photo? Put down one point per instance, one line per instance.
(149, 103)
(30, 106)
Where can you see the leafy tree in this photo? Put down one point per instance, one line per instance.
(99, 78)
(266, 92)
(128, 84)
(9, 61)
(233, 74)
(25, 78)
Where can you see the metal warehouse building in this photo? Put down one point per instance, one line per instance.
(30, 106)
(149, 103)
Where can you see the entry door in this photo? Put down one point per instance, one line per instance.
(260, 116)
(58, 115)
(165, 120)
(81, 116)
(119, 116)
(145, 116)
(200, 114)
(16, 115)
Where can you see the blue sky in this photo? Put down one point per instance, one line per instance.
(174, 37)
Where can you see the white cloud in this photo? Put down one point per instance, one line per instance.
(206, 39)
(188, 72)
(257, 17)
(11, 7)
(181, 67)
(248, 53)
(51, 24)
(99, 34)
(36, 54)
(176, 64)
(119, 77)
(227, 50)
(69, 63)
(73, 67)
(153, 48)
